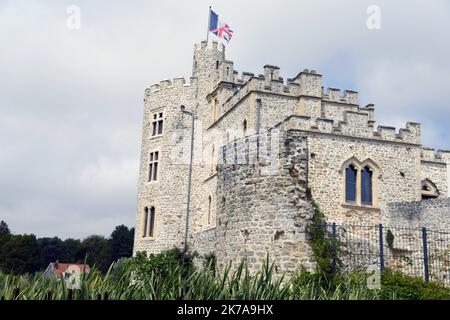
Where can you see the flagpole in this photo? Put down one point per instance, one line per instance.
(209, 25)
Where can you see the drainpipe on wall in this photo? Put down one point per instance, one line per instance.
(186, 230)
(307, 165)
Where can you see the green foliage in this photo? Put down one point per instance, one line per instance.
(5, 234)
(403, 287)
(210, 262)
(97, 251)
(21, 254)
(390, 238)
(170, 276)
(121, 242)
(319, 286)
(162, 264)
(322, 243)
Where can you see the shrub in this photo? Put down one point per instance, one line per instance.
(210, 262)
(162, 264)
(402, 287)
(322, 244)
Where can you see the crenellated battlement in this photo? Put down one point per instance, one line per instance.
(434, 155)
(167, 86)
(357, 124)
(258, 84)
(287, 141)
(214, 45)
(336, 95)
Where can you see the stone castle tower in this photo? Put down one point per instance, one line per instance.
(263, 148)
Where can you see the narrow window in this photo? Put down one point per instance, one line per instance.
(350, 184)
(209, 211)
(244, 125)
(366, 186)
(213, 159)
(153, 166)
(144, 233)
(214, 110)
(160, 123)
(157, 124)
(217, 65)
(151, 229)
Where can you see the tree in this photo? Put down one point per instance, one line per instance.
(20, 254)
(26, 254)
(97, 252)
(72, 251)
(5, 234)
(52, 249)
(121, 242)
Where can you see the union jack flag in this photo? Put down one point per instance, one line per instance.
(219, 28)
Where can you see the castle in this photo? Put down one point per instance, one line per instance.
(264, 149)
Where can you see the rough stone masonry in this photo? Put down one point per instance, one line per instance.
(261, 143)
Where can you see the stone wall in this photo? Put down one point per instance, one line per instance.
(262, 207)
(167, 195)
(396, 178)
(432, 213)
(255, 209)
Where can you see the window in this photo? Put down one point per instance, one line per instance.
(244, 127)
(360, 182)
(157, 124)
(144, 232)
(153, 166)
(350, 184)
(149, 223)
(208, 218)
(366, 186)
(213, 159)
(214, 110)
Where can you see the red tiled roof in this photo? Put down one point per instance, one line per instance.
(59, 268)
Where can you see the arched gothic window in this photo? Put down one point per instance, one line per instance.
(366, 186)
(350, 184)
(360, 182)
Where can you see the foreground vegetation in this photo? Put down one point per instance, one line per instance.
(22, 253)
(171, 275)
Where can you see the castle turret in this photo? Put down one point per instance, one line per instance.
(207, 59)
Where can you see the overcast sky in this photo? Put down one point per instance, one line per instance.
(71, 101)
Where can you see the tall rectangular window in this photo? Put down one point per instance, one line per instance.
(157, 124)
(209, 210)
(144, 231)
(149, 222)
(350, 184)
(366, 186)
(214, 110)
(151, 229)
(153, 161)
